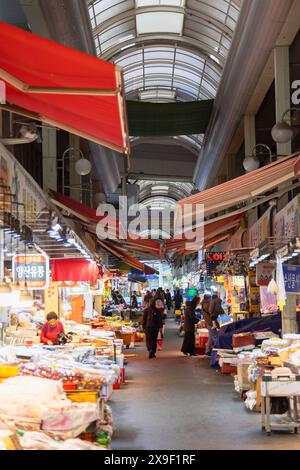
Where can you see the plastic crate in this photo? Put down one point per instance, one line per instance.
(8, 370)
(69, 386)
(80, 396)
(228, 369)
(126, 337)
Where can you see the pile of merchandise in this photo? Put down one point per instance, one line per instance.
(55, 397)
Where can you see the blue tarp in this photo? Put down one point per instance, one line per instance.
(224, 341)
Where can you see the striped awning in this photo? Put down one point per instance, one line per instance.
(243, 188)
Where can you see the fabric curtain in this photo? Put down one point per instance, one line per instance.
(168, 119)
(78, 270)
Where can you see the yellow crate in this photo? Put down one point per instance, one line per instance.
(275, 361)
(126, 337)
(7, 371)
(80, 396)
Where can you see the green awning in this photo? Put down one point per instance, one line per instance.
(168, 119)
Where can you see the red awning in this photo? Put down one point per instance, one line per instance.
(297, 167)
(63, 87)
(244, 187)
(74, 269)
(125, 258)
(214, 232)
(89, 215)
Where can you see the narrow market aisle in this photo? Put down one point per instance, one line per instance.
(179, 403)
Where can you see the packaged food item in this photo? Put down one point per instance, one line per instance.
(243, 339)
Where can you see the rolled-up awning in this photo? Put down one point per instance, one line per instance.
(243, 188)
(89, 217)
(63, 87)
(297, 168)
(213, 233)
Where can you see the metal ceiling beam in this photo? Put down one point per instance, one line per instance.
(164, 141)
(188, 12)
(259, 25)
(168, 178)
(151, 39)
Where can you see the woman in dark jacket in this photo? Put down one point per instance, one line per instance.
(190, 320)
(152, 323)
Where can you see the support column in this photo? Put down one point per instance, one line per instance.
(49, 149)
(289, 323)
(74, 177)
(282, 90)
(249, 134)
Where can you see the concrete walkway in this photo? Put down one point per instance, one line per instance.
(176, 402)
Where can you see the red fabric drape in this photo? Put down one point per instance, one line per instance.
(42, 63)
(74, 270)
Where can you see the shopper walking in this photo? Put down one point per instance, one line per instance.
(190, 320)
(168, 298)
(215, 309)
(160, 295)
(152, 324)
(134, 302)
(205, 309)
(147, 299)
(178, 300)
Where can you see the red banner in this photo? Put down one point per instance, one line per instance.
(74, 270)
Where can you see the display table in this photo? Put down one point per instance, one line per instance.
(288, 387)
(92, 396)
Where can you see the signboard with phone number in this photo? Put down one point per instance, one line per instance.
(34, 269)
(291, 278)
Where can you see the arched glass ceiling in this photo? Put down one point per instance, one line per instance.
(155, 71)
(175, 191)
(170, 50)
(177, 45)
(158, 203)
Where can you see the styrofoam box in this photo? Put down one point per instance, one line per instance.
(280, 389)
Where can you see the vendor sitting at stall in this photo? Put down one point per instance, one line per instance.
(51, 330)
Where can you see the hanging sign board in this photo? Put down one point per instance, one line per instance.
(291, 275)
(34, 269)
(213, 258)
(264, 273)
(260, 231)
(286, 221)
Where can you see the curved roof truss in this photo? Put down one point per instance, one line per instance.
(170, 44)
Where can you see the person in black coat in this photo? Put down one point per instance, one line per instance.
(152, 323)
(190, 320)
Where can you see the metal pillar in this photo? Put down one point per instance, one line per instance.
(49, 149)
(282, 90)
(75, 179)
(289, 323)
(249, 134)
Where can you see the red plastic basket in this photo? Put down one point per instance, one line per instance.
(228, 369)
(68, 386)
